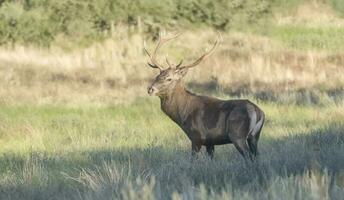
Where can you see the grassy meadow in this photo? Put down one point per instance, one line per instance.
(76, 121)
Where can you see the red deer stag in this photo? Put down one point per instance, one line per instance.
(206, 120)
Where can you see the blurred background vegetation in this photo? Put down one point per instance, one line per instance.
(78, 46)
(41, 22)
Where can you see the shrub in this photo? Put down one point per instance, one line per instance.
(40, 21)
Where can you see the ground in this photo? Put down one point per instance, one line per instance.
(78, 123)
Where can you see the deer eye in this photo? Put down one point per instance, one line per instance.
(169, 79)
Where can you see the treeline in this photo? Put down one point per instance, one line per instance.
(40, 22)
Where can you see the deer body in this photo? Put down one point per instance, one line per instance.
(207, 121)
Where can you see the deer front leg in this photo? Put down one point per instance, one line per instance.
(210, 151)
(195, 148)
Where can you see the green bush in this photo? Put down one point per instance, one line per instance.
(24, 26)
(338, 5)
(40, 21)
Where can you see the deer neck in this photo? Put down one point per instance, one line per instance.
(175, 104)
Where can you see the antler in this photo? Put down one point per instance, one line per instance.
(206, 54)
(153, 62)
(171, 66)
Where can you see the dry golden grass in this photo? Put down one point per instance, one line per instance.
(115, 70)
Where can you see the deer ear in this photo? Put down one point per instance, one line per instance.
(181, 71)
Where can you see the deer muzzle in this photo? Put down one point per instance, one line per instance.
(152, 90)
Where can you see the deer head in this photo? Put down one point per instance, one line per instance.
(171, 75)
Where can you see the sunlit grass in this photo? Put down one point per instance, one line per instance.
(59, 128)
(100, 151)
(306, 38)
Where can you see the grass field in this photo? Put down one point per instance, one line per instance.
(135, 152)
(76, 122)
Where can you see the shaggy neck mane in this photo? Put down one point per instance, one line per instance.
(176, 103)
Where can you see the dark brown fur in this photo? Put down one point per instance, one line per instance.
(207, 121)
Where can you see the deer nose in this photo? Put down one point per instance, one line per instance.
(151, 90)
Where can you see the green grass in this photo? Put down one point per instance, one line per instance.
(338, 5)
(310, 38)
(135, 152)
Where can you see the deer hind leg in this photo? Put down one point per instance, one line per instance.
(253, 137)
(253, 143)
(253, 146)
(243, 148)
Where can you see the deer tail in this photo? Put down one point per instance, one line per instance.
(256, 120)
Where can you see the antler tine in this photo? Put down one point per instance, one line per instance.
(164, 40)
(179, 64)
(168, 63)
(171, 66)
(154, 63)
(206, 54)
